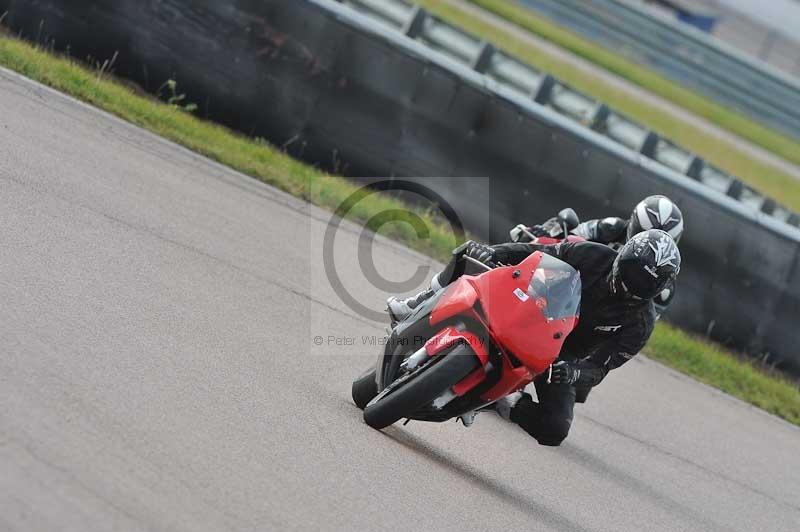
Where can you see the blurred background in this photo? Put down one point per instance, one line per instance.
(766, 30)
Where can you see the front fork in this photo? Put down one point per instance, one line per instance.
(439, 342)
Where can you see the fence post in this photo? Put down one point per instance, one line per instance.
(415, 22)
(484, 58)
(541, 94)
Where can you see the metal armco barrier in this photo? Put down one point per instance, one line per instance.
(334, 86)
(685, 55)
(402, 16)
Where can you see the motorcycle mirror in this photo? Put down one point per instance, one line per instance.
(569, 219)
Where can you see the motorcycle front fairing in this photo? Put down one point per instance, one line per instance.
(531, 308)
(528, 310)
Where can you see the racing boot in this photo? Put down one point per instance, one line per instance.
(504, 406)
(400, 309)
(468, 418)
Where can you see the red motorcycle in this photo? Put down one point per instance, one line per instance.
(477, 340)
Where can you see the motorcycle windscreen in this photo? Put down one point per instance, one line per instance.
(531, 313)
(556, 288)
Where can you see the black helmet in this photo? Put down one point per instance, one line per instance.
(656, 212)
(646, 264)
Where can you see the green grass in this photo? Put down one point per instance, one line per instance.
(766, 178)
(262, 161)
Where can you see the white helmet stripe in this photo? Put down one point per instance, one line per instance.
(644, 218)
(676, 231)
(664, 210)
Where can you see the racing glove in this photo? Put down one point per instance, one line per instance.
(583, 373)
(480, 252)
(563, 372)
(551, 228)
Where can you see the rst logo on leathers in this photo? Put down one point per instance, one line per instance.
(608, 328)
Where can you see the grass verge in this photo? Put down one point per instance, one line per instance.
(262, 161)
(764, 177)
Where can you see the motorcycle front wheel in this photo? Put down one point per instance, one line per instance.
(364, 389)
(414, 390)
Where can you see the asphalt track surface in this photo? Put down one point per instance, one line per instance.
(159, 372)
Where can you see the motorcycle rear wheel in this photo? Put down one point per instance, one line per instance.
(421, 388)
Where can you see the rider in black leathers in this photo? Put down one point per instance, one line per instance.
(653, 212)
(617, 318)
